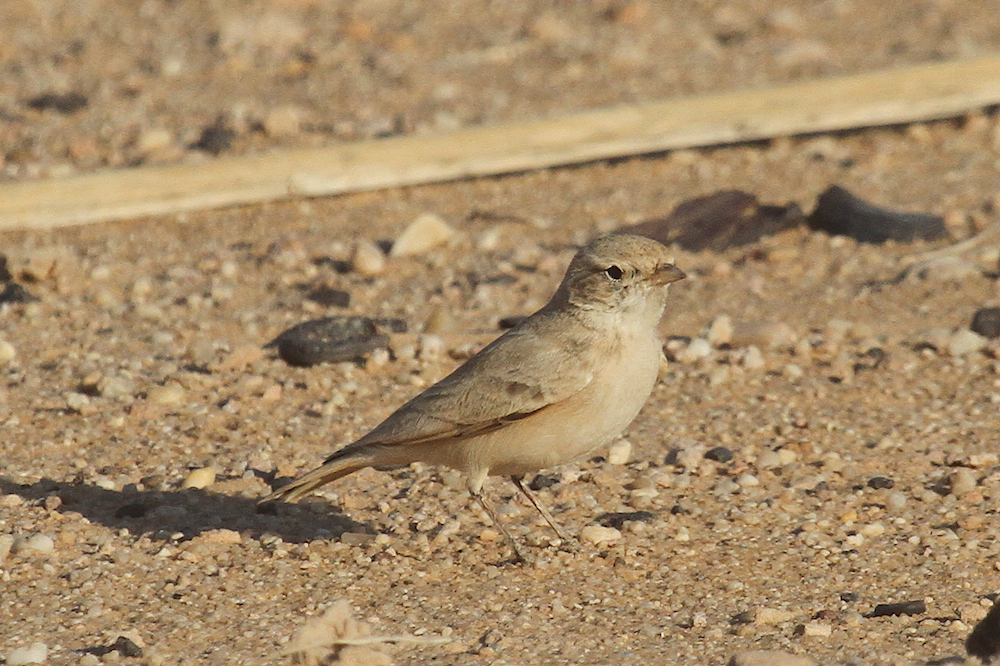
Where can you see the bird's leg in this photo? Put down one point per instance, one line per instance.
(519, 482)
(518, 555)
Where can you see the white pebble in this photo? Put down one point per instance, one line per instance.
(424, 233)
(169, 395)
(873, 530)
(7, 352)
(720, 331)
(597, 534)
(696, 350)
(751, 358)
(200, 478)
(36, 653)
(793, 372)
(747, 480)
(895, 500)
(963, 480)
(368, 259)
(620, 452)
(964, 342)
(821, 629)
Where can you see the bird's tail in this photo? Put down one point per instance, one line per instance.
(334, 468)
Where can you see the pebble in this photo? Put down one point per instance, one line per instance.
(769, 658)
(820, 629)
(7, 352)
(424, 233)
(37, 543)
(945, 269)
(986, 322)
(169, 395)
(36, 653)
(116, 387)
(772, 616)
(881, 482)
(368, 259)
(598, 534)
(720, 331)
(6, 543)
(283, 121)
(964, 342)
(696, 350)
(154, 140)
(963, 480)
(620, 452)
(719, 454)
(200, 478)
(751, 358)
(895, 500)
(915, 607)
(747, 480)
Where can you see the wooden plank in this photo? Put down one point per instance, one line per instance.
(915, 93)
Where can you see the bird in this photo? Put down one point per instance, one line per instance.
(563, 382)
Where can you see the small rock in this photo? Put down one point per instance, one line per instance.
(36, 653)
(426, 232)
(620, 452)
(329, 298)
(200, 478)
(598, 534)
(964, 342)
(895, 500)
(334, 339)
(719, 454)
(153, 141)
(772, 616)
(169, 395)
(881, 482)
(15, 293)
(915, 607)
(820, 629)
(696, 350)
(963, 480)
(986, 322)
(116, 387)
(720, 331)
(7, 352)
(769, 658)
(747, 480)
(36, 543)
(283, 121)
(751, 358)
(6, 543)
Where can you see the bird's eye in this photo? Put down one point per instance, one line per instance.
(614, 273)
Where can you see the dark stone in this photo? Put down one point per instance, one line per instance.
(915, 607)
(334, 339)
(986, 322)
(543, 481)
(126, 647)
(616, 520)
(215, 138)
(848, 597)
(5, 275)
(718, 221)
(331, 298)
(64, 103)
(881, 483)
(984, 641)
(15, 293)
(719, 454)
(840, 213)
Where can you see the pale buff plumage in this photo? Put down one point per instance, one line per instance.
(565, 381)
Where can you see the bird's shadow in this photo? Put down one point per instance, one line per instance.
(163, 514)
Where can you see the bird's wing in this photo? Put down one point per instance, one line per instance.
(519, 374)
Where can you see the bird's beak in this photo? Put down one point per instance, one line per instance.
(667, 273)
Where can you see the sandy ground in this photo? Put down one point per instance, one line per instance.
(864, 437)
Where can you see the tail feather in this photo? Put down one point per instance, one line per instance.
(334, 469)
